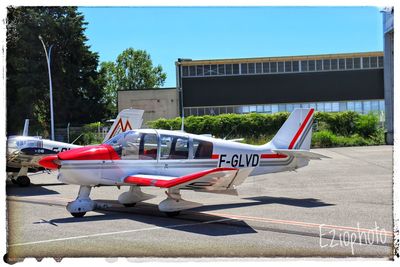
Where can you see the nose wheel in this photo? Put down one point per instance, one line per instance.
(78, 214)
(82, 203)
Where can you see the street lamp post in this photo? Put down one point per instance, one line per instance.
(48, 57)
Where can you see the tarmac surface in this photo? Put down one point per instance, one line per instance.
(337, 207)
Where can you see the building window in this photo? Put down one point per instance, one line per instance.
(245, 109)
(357, 63)
(305, 105)
(342, 64)
(373, 62)
(258, 68)
(349, 63)
(223, 110)
(342, 106)
(311, 65)
(199, 70)
(304, 65)
(328, 107)
(334, 64)
(365, 61)
(273, 67)
(260, 109)
(221, 69)
(350, 106)
(244, 68)
(280, 67)
(267, 108)
(229, 110)
(320, 106)
(185, 71)
(295, 66)
(228, 69)
(281, 107)
(313, 105)
(318, 64)
(192, 71)
(214, 70)
(327, 64)
(250, 68)
(207, 70)
(375, 105)
(288, 66)
(366, 106)
(193, 111)
(335, 107)
(358, 106)
(274, 108)
(266, 67)
(235, 68)
(200, 111)
(253, 109)
(289, 107)
(380, 61)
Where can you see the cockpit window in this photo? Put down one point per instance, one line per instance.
(202, 149)
(174, 147)
(132, 145)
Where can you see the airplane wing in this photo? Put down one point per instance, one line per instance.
(208, 180)
(299, 153)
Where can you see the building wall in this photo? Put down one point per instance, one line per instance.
(283, 88)
(330, 82)
(156, 103)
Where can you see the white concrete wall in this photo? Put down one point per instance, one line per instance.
(156, 103)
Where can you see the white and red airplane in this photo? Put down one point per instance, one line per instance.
(178, 160)
(24, 152)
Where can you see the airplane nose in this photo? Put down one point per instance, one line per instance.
(99, 152)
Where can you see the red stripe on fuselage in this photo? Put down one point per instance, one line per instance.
(303, 125)
(215, 156)
(273, 156)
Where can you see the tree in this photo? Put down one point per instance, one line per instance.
(132, 70)
(77, 87)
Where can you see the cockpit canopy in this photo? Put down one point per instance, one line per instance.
(150, 145)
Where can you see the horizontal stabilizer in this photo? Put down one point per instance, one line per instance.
(298, 153)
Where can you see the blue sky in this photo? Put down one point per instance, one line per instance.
(168, 33)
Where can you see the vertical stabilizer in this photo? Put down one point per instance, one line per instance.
(126, 120)
(26, 128)
(296, 132)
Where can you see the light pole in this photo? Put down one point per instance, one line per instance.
(48, 56)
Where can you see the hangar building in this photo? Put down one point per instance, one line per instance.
(331, 83)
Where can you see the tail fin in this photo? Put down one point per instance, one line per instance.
(296, 132)
(127, 119)
(26, 128)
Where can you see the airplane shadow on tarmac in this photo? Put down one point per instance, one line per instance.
(189, 221)
(198, 223)
(264, 200)
(32, 190)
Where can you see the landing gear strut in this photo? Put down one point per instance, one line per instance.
(82, 204)
(174, 203)
(134, 195)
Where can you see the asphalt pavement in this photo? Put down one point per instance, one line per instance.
(336, 207)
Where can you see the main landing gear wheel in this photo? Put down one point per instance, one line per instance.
(129, 205)
(23, 181)
(78, 214)
(172, 213)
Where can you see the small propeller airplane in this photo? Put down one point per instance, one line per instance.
(24, 152)
(177, 161)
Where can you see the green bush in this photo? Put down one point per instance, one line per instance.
(331, 129)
